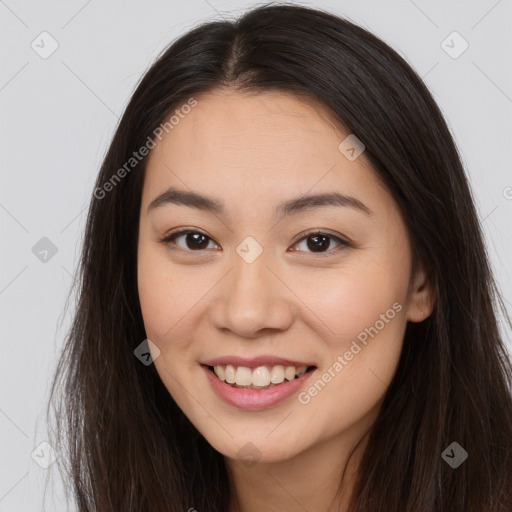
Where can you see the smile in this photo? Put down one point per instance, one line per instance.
(261, 377)
(258, 384)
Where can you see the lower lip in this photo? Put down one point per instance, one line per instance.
(254, 399)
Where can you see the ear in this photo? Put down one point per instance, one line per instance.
(422, 296)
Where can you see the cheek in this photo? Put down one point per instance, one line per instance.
(363, 307)
(167, 297)
(363, 313)
(156, 289)
(349, 299)
(167, 293)
(358, 362)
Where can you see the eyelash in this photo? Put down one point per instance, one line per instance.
(171, 237)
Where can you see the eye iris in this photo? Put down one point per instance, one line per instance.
(315, 247)
(196, 237)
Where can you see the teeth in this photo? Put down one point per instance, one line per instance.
(220, 372)
(230, 374)
(289, 373)
(243, 376)
(277, 374)
(301, 370)
(260, 377)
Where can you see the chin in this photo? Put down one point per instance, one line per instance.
(252, 449)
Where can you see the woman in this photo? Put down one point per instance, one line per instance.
(285, 301)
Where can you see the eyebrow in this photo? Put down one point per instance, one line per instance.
(290, 207)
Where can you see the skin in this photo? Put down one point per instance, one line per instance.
(254, 151)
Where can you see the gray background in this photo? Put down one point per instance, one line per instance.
(59, 113)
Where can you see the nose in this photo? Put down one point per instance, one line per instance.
(253, 300)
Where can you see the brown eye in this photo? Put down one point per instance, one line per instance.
(321, 242)
(194, 240)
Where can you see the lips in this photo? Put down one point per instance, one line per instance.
(230, 378)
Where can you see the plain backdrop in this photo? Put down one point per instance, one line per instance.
(67, 72)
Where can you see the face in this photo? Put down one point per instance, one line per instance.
(262, 282)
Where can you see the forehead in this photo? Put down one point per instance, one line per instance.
(268, 127)
(257, 148)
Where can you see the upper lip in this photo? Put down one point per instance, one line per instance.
(254, 362)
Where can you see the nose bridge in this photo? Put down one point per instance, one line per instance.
(252, 297)
(250, 279)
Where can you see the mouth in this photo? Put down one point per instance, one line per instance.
(262, 384)
(258, 378)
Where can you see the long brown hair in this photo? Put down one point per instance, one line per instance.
(130, 447)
